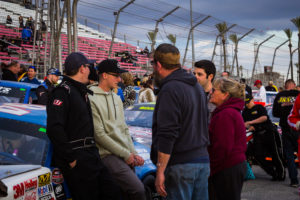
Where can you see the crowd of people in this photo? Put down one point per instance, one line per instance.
(199, 127)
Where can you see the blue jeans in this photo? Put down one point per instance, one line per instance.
(187, 181)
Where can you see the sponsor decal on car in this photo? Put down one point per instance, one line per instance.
(44, 179)
(146, 108)
(59, 191)
(26, 188)
(57, 176)
(4, 90)
(47, 197)
(44, 190)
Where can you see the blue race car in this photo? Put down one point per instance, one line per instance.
(23, 142)
(17, 92)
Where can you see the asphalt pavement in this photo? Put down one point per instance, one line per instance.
(262, 188)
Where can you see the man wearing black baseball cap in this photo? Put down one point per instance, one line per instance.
(43, 91)
(71, 131)
(111, 132)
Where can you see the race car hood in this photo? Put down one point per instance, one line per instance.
(11, 170)
(141, 135)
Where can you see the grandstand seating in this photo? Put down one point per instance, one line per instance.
(93, 44)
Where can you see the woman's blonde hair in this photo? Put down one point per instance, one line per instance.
(234, 88)
(127, 77)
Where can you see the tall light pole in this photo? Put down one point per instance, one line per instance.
(156, 26)
(256, 56)
(188, 38)
(235, 58)
(116, 24)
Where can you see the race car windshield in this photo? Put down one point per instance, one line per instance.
(139, 118)
(22, 143)
(12, 95)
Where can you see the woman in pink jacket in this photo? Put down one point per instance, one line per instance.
(227, 141)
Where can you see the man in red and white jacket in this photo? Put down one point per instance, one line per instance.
(294, 117)
(294, 120)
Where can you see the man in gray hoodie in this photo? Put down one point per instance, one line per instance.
(111, 132)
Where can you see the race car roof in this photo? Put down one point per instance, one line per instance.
(18, 84)
(35, 114)
(142, 107)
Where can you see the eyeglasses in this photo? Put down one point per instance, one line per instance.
(113, 74)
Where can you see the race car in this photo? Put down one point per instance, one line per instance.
(17, 92)
(270, 97)
(24, 144)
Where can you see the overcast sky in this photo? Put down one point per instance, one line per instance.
(266, 16)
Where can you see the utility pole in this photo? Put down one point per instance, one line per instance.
(192, 34)
(274, 55)
(188, 38)
(156, 26)
(214, 51)
(256, 56)
(116, 24)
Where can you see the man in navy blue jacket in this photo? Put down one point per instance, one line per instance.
(180, 129)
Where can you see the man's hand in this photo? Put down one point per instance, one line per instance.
(251, 128)
(138, 160)
(73, 164)
(160, 184)
(247, 124)
(130, 160)
(298, 125)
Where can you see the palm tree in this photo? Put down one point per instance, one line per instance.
(150, 36)
(289, 34)
(234, 39)
(222, 27)
(172, 38)
(296, 22)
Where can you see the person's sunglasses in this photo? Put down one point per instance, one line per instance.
(113, 74)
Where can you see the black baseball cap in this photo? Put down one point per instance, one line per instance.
(248, 98)
(75, 60)
(53, 71)
(110, 65)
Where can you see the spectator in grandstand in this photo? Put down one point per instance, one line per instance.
(43, 91)
(27, 4)
(21, 22)
(10, 73)
(138, 50)
(146, 93)
(247, 87)
(31, 73)
(205, 72)
(30, 23)
(261, 95)
(112, 136)
(129, 92)
(26, 34)
(146, 51)
(180, 129)
(282, 107)
(3, 44)
(8, 20)
(271, 87)
(225, 74)
(227, 135)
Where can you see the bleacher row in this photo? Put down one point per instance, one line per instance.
(93, 47)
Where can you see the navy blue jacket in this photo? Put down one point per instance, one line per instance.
(180, 120)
